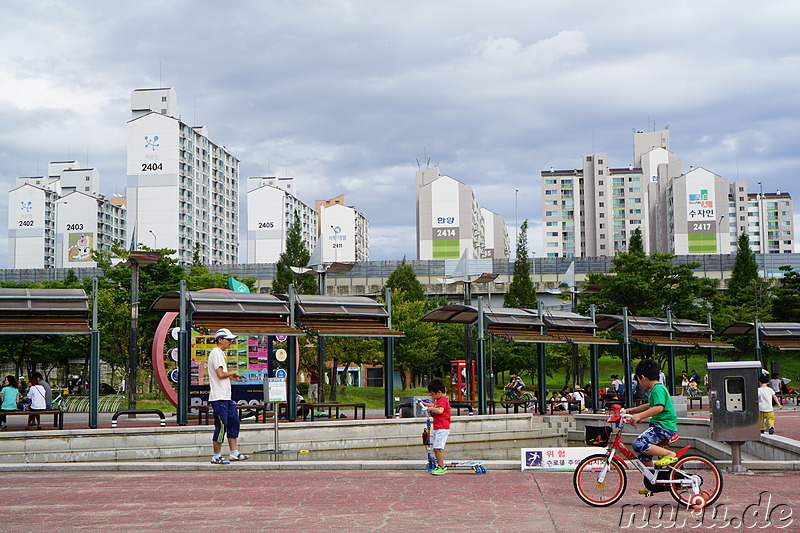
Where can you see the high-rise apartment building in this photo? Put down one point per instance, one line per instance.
(343, 232)
(58, 219)
(271, 205)
(449, 219)
(496, 236)
(182, 188)
(592, 211)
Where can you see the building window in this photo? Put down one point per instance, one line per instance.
(602, 235)
(601, 204)
(551, 191)
(602, 226)
(634, 189)
(602, 246)
(602, 215)
(600, 193)
(163, 98)
(588, 158)
(600, 172)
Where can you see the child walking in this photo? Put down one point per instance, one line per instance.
(440, 411)
(766, 411)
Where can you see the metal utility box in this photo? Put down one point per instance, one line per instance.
(733, 400)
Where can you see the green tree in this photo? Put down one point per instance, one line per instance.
(521, 293)
(404, 280)
(414, 352)
(786, 305)
(746, 290)
(296, 255)
(648, 286)
(636, 243)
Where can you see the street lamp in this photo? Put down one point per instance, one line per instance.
(762, 229)
(719, 238)
(516, 218)
(155, 239)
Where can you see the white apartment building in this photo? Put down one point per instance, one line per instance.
(343, 232)
(57, 220)
(271, 205)
(496, 242)
(182, 188)
(592, 211)
(449, 219)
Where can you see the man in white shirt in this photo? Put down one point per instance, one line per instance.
(226, 416)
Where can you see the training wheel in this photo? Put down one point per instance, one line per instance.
(429, 467)
(697, 501)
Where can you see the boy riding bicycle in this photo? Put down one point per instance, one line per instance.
(515, 384)
(663, 420)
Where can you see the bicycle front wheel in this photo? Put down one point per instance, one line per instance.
(702, 467)
(506, 397)
(529, 397)
(588, 486)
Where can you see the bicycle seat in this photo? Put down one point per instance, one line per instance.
(667, 442)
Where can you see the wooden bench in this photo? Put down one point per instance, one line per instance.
(331, 406)
(58, 415)
(692, 399)
(789, 397)
(508, 404)
(204, 412)
(458, 405)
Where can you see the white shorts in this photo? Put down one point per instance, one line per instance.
(440, 438)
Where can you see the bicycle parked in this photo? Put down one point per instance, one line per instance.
(600, 480)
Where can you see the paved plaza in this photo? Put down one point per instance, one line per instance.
(307, 501)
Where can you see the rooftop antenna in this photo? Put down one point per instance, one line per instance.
(418, 165)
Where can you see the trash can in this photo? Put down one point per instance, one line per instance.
(411, 409)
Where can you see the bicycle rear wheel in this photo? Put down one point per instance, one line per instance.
(529, 397)
(695, 465)
(587, 486)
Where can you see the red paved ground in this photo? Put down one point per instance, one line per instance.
(353, 501)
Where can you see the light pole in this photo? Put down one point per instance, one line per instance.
(516, 218)
(719, 230)
(155, 239)
(762, 229)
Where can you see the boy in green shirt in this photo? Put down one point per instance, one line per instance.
(663, 420)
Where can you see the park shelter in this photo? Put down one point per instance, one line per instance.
(654, 332)
(352, 316)
(55, 312)
(523, 325)
(784, 336)
(209, 310)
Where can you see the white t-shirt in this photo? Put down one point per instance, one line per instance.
(776, 385)
(220, 388)
(37, 395)
(765, 399)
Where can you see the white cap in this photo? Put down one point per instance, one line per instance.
(225, 334)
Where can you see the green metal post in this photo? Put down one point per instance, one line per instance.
(540, 369)
(626, 357)
(388, 363)
(594, 353)
(481, 360)
(94, 363)
(291, 380)
(670, 359)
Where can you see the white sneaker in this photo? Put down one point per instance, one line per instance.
(240, 457)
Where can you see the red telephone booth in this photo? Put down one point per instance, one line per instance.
(458, 381)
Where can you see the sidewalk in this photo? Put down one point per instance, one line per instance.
(402, 501)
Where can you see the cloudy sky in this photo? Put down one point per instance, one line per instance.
(347, 96)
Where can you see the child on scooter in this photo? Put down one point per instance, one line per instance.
(440, 411)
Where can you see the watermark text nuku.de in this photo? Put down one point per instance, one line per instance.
(760, 515)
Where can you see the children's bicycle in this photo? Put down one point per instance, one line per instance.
(600, 480)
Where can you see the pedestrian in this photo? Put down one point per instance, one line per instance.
(766, 411)
(48, 391)
(313, 388)
(226, 416)
(440, 411)
(36, 395)
(8, 398)
(775, 383)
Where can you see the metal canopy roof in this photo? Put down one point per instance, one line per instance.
(523, 325)
(335, 316)
(777, 335)
(29, 311)
(657, 331)
(239, 312)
